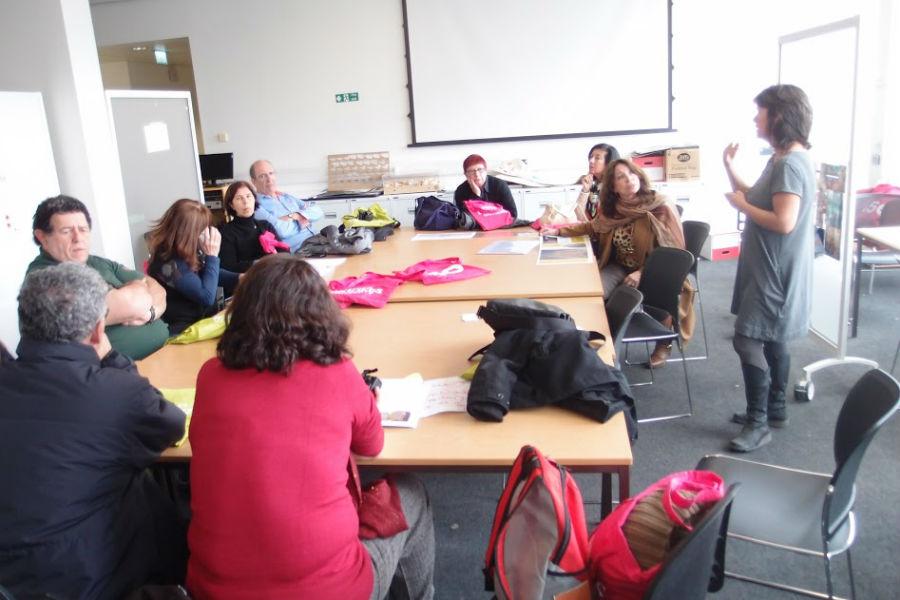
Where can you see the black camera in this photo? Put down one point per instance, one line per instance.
(373, 382)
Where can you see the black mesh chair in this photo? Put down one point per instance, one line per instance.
(620, 307)
(695, 235)
(805, 512)
(696, 565)
(661, 283)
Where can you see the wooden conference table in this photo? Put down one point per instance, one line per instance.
(512, 275)
(433, 339)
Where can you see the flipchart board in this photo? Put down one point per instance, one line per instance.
(822, 61)
(27, 176)
(157, 147)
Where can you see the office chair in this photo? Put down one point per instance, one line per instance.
(890, 216)
(695, 235)
(696, 565)
(805, 512)
(661, 283)
(620, 307)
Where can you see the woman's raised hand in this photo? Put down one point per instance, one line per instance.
(211, 242)
(586, 182)
(729, 152)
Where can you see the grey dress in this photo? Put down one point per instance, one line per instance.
(772, 289)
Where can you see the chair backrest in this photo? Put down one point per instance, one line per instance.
(869, 404)
(695, 235)
(620, 307)
(663, 277)
(697, 564)
(890, 213)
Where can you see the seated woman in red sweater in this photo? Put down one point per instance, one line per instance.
(277, 414)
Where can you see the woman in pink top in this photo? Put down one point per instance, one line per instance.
(277, 414)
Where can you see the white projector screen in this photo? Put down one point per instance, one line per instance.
(530, 69)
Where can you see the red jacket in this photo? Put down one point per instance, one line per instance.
(272, 517)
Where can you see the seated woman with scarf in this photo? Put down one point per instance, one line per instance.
(633, 220)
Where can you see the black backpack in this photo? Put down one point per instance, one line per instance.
(434, 214)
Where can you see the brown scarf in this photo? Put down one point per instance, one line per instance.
(662, 217)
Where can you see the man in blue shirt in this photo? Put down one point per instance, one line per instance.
(291, 217)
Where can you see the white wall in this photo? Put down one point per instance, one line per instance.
(64, 68)
(267, 71)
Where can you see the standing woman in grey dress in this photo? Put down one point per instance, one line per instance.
(772, 297)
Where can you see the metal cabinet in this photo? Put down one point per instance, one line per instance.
(531, 202)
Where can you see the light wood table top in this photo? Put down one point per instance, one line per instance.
(512, 275)
(432, 339)
(886, 236)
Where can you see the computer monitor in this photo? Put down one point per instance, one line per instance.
(216, 167)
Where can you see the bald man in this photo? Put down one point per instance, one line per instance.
(291, 217)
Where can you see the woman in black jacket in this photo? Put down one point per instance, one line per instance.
(241, 245)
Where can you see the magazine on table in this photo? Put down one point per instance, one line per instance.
(404, 401)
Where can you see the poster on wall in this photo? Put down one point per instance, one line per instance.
(832, 184)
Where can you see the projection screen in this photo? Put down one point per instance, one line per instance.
(530, 69)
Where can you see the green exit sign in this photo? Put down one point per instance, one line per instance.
(348, 97)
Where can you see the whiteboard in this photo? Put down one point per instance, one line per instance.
(529, 69)
(157, 147)
(27, 177)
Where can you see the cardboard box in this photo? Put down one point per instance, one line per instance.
(652, 165)
(410, 184)
(720, 246)
(682, 163)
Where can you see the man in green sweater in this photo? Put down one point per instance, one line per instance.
(62, 228)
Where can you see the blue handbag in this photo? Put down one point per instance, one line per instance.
(434, 214)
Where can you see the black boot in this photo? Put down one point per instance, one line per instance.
(755, 433)
(779, 372)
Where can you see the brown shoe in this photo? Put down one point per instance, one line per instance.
(660, 355)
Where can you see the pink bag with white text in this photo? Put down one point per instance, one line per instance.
(488, 215)
(368, 289)
(440, 271)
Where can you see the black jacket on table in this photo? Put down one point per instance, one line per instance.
(524, 368)
(240, 243)
(494, 190)
(80, 516)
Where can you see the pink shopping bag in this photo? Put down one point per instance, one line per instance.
(488, 215)
(441, 270)
(368, 289)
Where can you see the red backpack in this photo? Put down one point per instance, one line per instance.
(539, 543)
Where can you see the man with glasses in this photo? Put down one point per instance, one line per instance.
(481, 186)
(291, 217)
(62, 228)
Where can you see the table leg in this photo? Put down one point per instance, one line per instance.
(606, 494)
(606, 502)
(855, 275)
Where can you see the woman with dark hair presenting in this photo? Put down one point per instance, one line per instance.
(277, 415)
(771, 297)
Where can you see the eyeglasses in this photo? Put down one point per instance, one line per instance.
(475, 170)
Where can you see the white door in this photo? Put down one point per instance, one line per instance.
(27, 177)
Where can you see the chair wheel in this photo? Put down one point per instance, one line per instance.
(804, 391)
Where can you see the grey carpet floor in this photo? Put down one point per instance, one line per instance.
(464, 504)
